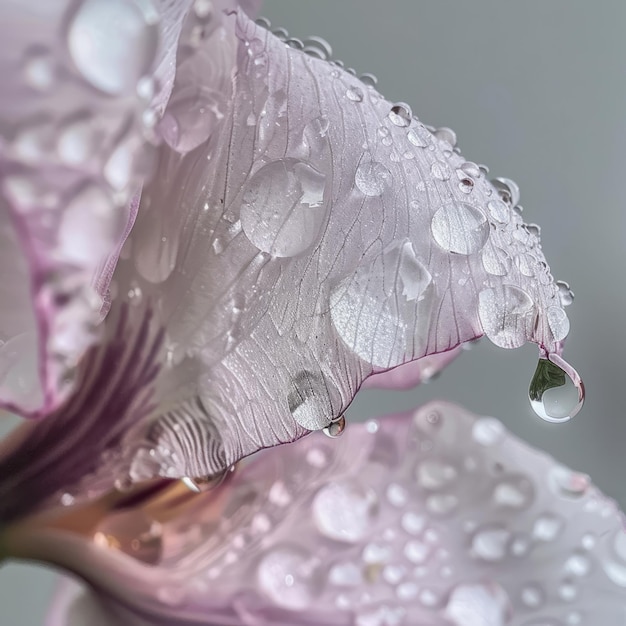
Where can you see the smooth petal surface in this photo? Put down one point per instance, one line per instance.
(433, 517)
(320, 234)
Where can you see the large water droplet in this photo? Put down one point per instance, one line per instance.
(335, 429)
(556, 391)
(310, 400)
(372, 178)
(460, 228)
(393, 297)
(287, 576)
(283, 207)
(344, 511)
(401, 114)
(113, 42)
(479, 604)
(507, 315)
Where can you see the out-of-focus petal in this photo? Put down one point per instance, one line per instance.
(74, 605)
(433, 517)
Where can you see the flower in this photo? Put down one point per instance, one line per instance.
(262, 233)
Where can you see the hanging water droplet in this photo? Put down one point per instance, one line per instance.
(401, 114)
(556, 391)
(344, 511)
(310, 401)
(283, 207)
(507, 315)
(372, 178)
(206, 483)
(287, 576)
(566, 295)
(355, 94)
(335, 429)
(460, 228)
(314, 135)
(113, 42)
(318, 47)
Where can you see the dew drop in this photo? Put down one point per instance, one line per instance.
(434, 475)
(440, 170)
(514, 493)
(318, 47)
(310, 401)
(508, 190)
(442, 503)
(355, 94)
(345, 574)
(479, 604)
(193, 113)
(556, 391)
(499, 211)
(578, 564)
(490, 543)
(460, 228)
(283, 207)
(335, 429)
(558, 322)
(412, 523)
(113, 42)
(397, 495)
(547, 527)
(401, 114)
(344, 511)
(372, 178)
(286, 575)
(566, 295)
(446, 134)
(507, 315)
(488, 431)
(496, 260)
(77, 141)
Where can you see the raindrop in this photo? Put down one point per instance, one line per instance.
(490, 543)
(393, 574)
(368, 79)
(335, 429)
(460, 228)
(442, 503)
(372, 178)
(355, 94)
(419, 136)
(344, 511)
(401, 114)
(507, 315)
(283, 207)
(193, 113)
(556, 391)
(309, 400)
(287, 576)
(488, 431)
(397, 495)
(567, 591)
(113, 42)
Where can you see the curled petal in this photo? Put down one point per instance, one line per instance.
(434, 517)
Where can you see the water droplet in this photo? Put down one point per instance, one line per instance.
(401, 114)
(39, 69)
(417, 551)
(345, 574)
(514, 492)
(283, 207)
(466, 185)
(533, 596)
(287, 576)
(310, 400)
(446, 134)
(566, 295)
(460, 228)
(335, 429)
(397, 495)
(568, 484)
(314, 135)
(77, 140)
(193, 113)
(499, 211)
(520, 546)
(419, 136)
(318, 47)
(376, 554)
(508, 190)
(372, 178)
(440, 170)
(479, 604)
(393, 574)
(344, 511)
(394, 297)
(413, 523)
(434, 475)
(488, 431)
(203, 10)
(355, 94)
(558, 322)
(496, 260)
(556, 391)
(317, 457)
(490, 543)
(133, 533)
(442, 503)
(547, 527)
(113, 42)
(567, 591)
(507, 315)
(578, 564)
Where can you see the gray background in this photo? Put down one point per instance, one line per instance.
(537, 91)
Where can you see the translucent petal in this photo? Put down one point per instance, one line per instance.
(435, 516)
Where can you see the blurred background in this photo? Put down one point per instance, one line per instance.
(537, 91)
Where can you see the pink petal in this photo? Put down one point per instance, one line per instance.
(434, 517)
(301, 235)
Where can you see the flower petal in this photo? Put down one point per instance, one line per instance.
(320, 234)
(434, 517)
